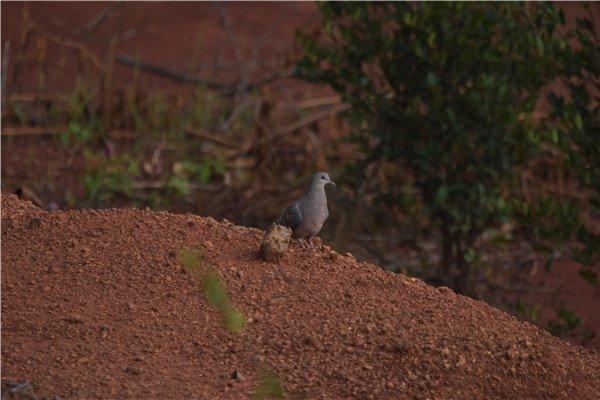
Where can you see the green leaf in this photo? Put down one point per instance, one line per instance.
(554, 135)
(441, 196)
(578, 121)
(432, 79)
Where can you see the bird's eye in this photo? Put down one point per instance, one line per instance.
(323, 177)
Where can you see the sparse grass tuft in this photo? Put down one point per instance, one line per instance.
(190, 258)
(270, 387)
(214, 292)
(232, 318)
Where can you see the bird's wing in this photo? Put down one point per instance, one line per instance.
(291, 216)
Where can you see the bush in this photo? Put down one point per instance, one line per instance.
(444, 93)
(564, 221)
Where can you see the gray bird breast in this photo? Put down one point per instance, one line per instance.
(314, 214)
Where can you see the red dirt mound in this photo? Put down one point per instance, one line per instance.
(96, 304)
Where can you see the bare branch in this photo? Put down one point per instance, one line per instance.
(225, 89)
(32, 130)
(218, 140)
(323, 101)
(32, 97)
(99, 18)
(294, 126)
(57, 130)
(309, 119)
(83, 49)
(5, 55)
(234, 43)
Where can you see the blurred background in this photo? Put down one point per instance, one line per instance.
(464, 138)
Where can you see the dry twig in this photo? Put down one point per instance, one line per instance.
(99, 18)
(83, 49)
(309, 119)
(177, 77)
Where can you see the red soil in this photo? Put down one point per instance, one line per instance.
(95, 305)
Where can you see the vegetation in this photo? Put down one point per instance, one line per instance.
(269, 388)
(443, 99)
(564, 221)
(232, 318)
(449, 152)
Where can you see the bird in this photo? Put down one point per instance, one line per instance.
(306, 216)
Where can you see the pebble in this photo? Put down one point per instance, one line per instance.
(74, 319)
(133, 370)
(237, 375)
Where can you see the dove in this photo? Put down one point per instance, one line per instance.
(306, 216)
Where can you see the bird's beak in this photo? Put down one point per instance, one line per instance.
(332, 182)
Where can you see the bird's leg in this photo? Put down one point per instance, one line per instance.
(312, 245)
(302, 243)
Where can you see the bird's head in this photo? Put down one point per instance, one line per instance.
(321, 179)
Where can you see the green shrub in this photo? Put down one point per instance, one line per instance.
(445, 92)
(556, 220)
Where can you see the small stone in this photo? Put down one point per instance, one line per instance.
(34, 223)
(402, 346)
(133, 370)
(275, 243)
(104, 331)
(7, 223)
(462, 361)
(412, 377)
(309, 340)
(360, 341)
(350, 256)
(208, 244)
(237, 375)
(390, 385)
(74, 319)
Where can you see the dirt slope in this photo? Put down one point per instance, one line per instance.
(95, 304)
